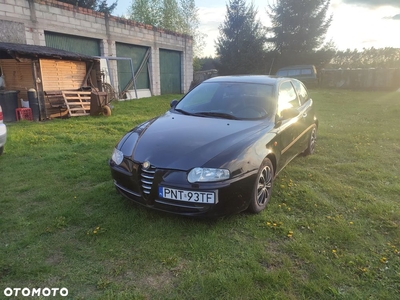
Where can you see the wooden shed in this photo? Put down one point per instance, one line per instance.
(50, 72)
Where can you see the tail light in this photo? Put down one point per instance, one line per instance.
(1, 114)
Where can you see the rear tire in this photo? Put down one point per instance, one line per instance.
(311, 142)
(1, 150)
(262, 188)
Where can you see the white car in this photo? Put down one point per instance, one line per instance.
(3, 132)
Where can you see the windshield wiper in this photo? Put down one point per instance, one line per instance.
(183, 111)
(216, 114)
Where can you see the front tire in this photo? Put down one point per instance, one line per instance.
(1, 150)
(263, 187)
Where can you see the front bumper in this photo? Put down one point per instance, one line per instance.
(132, 181)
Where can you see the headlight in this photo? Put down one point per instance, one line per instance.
(207, 175)
(117, 156)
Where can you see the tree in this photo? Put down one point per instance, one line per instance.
(171, 16)
(97, 5)
(146, 11)
(298, 26)
(105, 8)
(367, 58)
(181, 17)
(207, 63)
(241, 43)
(297, 33)
(190, 25)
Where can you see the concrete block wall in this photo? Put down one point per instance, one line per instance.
(38, 16)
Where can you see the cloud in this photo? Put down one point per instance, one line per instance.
(369, 42)
(374, 3)
(395, 17)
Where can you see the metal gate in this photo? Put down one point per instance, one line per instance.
(170, 72)
(77, 44)
(137, 54)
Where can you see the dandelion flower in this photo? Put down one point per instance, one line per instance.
(383, 260)
(351, 223)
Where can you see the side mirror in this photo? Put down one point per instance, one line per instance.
(286, 114)
(173, 103)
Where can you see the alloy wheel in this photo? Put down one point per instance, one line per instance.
(264, 186)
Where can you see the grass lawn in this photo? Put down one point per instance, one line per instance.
(331, 230)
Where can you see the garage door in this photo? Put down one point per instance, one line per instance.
(77, 44)
(137, 54)
(170, 72)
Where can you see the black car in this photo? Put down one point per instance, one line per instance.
(218, 149)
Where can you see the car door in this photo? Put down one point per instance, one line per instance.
(306, 111)
(289, 129)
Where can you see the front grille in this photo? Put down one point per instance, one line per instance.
(147, 177)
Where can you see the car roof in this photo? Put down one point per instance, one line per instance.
(261, 79)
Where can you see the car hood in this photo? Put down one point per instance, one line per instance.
(182, 142)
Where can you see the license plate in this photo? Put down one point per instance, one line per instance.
(187, 196)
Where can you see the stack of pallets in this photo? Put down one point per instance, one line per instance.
(77, 102)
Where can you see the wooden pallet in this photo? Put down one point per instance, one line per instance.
(77, 102)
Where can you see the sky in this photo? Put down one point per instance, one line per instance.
(356, 24)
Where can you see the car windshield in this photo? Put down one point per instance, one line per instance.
(229, 100)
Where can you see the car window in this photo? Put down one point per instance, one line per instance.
(287, 97)
(301, 91)
(306, 72)
(282, 73)
(294, 72)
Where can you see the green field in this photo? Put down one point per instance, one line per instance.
(331, 230)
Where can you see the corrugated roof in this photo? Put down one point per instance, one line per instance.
(11, 50)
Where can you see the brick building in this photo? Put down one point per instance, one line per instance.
(162, 60)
